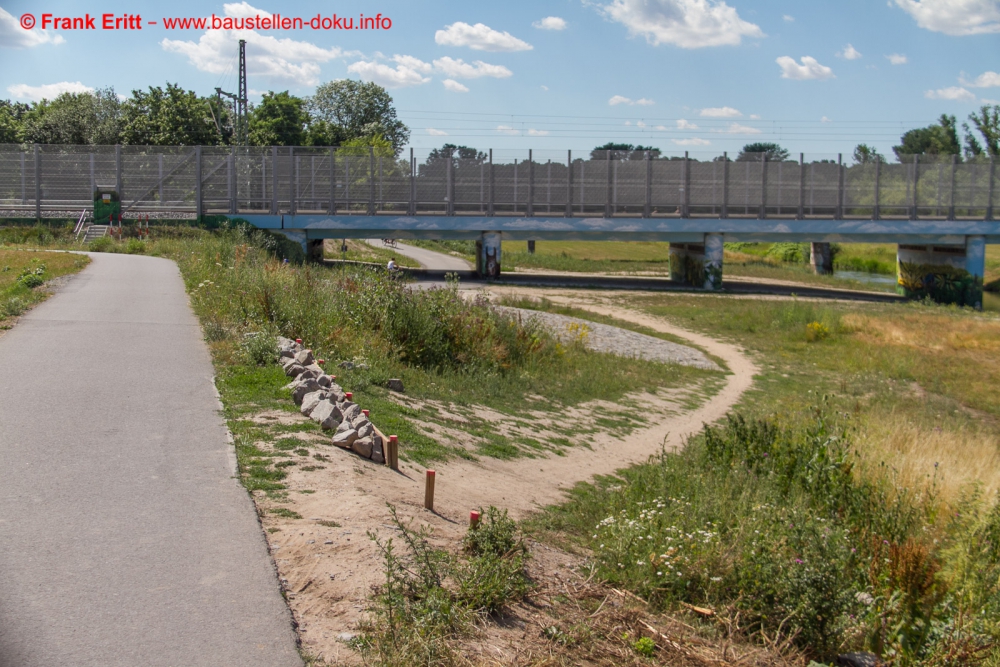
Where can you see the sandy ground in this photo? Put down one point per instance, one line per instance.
(328, 564)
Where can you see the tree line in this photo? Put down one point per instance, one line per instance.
(340, 113)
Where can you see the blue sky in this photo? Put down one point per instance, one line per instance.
(700, 75)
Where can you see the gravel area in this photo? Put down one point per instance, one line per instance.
(625, 343)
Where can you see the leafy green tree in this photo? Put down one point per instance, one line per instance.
(359, 110)
(75, 118)
(987, 122)
(865, 154)
(939, 139)
(363, 145)
(323, 133)
(12, 121)
(757, 151)
(174, 117)
(279, 120)
(461, 152)
(622, 151)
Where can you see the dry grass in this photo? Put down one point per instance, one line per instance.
(953, 458)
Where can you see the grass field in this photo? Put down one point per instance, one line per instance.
(23, 275)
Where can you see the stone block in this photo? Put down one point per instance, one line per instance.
(362, 447)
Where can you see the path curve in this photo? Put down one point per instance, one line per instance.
(429, 259)
(524, 485)
(125, 538)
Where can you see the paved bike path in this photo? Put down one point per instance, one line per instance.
(124, 537)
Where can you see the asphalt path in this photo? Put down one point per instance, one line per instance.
(125, 538)
(429, 259)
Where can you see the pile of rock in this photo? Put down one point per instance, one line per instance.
(326, 403)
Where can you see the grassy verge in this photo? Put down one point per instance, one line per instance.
(851, 508)
(23, 275)
(359, 251)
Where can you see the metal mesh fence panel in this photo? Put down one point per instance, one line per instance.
(666, 183)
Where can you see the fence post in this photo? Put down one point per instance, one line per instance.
(489, 208)
(801, 213)
(916, 178)
(119, 186)
(607, 194)
(450, 189)
(197, 183)
(233, 194)
(371, 180)
(686, 187)
(333, 181)
(989, 190)
(293, 181)
(274, 180)
(530, 208)
(412, 208)
(38, 184)
(159, 173)
(840, 186)
(725, 186)
(762, 213)
(647, 208)
(876, 212)
(569, 184)
(951, 198)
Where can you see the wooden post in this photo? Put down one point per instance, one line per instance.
(473, 519)
(392, 452)
(429, 491)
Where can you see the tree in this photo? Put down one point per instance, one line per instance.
(279, 120)
(174, 117)
(75, 118)
(987, 121)
(939, 139)
(461, 152)
(760, 150)
(12, 121)
(359, 110)
(865, 154)
(622, 151)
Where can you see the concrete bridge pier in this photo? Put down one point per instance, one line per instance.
(488, 254)
(698, 264)
(821, 258)
(945, 273)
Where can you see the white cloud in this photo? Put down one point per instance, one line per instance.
(507, 129)
(788, 18)
(897, 59)
(532, 132)
(545, 87)
(954, 93)
(824, 119)
(550, 23)
(436, 133)
(13, 36)
(620, 99)
(459, 69)
(689, 24)
(686, 125)
(281, 59)
(693, 141)
(479, 37)
(661, 128)
(720, 112)
(954, 17)
(984, 80)
(736, 128)
(49, 91)
(640, 123)
(810, 69)
(849, 53)
(408, 71)
(754, 116)
(455, 86)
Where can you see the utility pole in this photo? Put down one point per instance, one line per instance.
(240, 129)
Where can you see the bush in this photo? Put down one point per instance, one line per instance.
(102, 244)
(30, 280)
(12, 307)
(259, 348)
(777, 526)
(795, 253)
(135, 247)
(816, 331)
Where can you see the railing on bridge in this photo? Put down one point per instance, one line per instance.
(184, 180)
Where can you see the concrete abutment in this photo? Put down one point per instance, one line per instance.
(944, 273)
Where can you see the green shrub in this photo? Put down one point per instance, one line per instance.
(795, 253)
(644, 646)
(259, 348)
(102, 244)
(30, 280)
(135, 247)
(12, 307)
